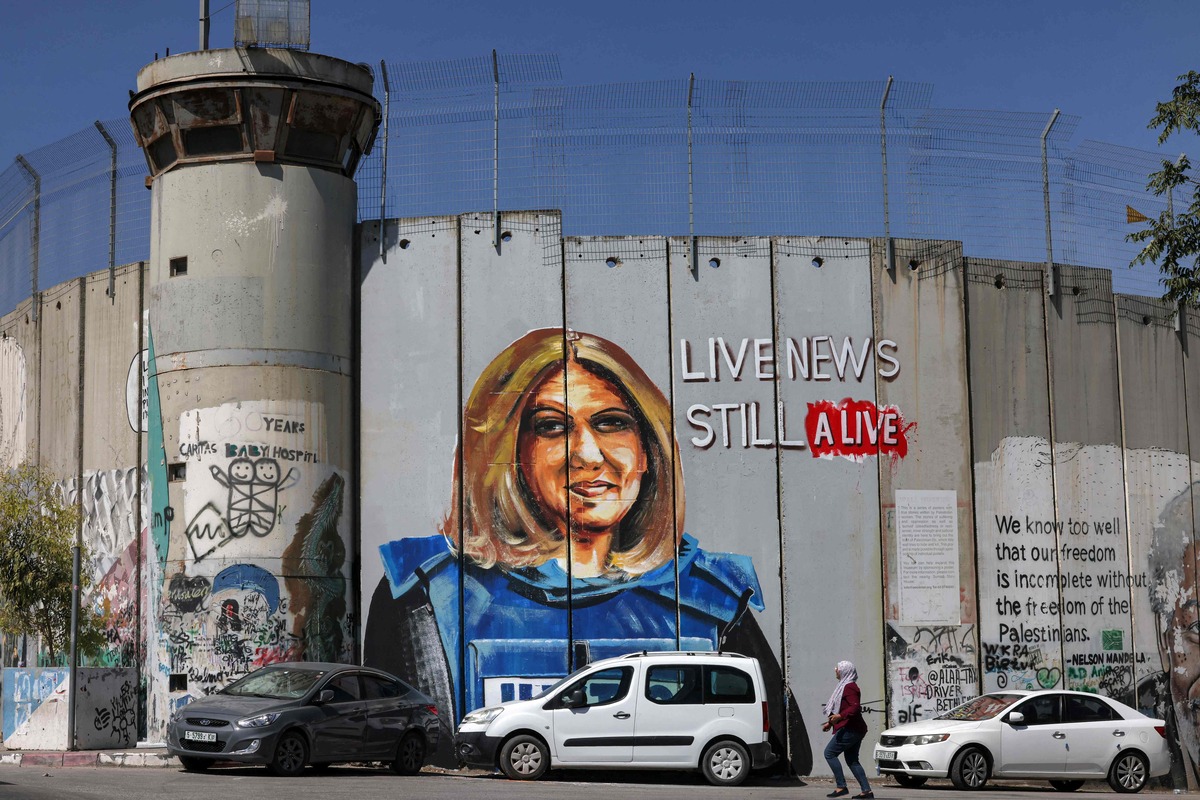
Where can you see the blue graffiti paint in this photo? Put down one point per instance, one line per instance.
(24, 692)
(248, 576)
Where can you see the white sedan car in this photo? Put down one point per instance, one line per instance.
(1063, 737)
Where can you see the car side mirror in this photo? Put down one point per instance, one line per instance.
(1016, 718)
(574, 699)
(324, 696)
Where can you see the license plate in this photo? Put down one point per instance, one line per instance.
(200, 736)
(885, 755)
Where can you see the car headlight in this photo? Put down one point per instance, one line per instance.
(482, 716)
(928, 738)
(261, 721)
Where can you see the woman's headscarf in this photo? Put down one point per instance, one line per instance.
(849, 675)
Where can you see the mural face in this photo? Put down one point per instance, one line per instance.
(582, 457)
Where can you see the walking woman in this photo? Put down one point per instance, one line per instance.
(844, 712)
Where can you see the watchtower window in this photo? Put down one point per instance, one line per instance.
(311, 144)
(162, 152)
(213, 141)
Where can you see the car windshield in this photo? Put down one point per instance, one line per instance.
(983, 707)
(552, 689)
(283, 683)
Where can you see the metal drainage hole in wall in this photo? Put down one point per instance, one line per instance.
(1075, 290)
(999, 281)
(404, 243)
(818, 262)
(612, 261)
(714, 262)
(506, 236)
(1145, 320)
(913, 264)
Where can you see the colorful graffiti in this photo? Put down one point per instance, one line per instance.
(313, 563)
(13, 377)
(253, 576)
(109, 502)
(222, 629)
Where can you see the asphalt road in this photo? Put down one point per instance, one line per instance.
(354, 783)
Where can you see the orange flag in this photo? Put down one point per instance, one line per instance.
(1132, 215)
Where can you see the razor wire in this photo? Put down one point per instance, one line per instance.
(684, 157)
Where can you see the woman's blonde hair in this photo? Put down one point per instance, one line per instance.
(500, 521)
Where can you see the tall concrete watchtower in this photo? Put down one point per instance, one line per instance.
(252, 154)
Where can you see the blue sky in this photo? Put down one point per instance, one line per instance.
(66, 64)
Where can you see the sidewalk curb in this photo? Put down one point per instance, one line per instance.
(88, 759)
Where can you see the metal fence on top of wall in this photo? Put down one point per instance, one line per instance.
(70, 208)
(692, 156)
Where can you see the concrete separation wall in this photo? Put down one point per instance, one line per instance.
(942, 472)
(35, 708)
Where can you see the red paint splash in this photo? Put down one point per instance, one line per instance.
(856, 429)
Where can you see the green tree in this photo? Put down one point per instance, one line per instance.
(37, 532)
(1173, 240)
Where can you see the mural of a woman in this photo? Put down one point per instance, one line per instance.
(564, 541)
(1174, 694)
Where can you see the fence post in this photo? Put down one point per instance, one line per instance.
(73, 673)
(691, 206)
(496, 146)
(1050, 271)
(204, 23)
(37, 230)
(112, 214)
(387, 113)
(889, 258)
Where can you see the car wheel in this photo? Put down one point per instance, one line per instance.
(1066, 786)
(291, 753)
(191, 764)
(725, 763)
(909, 781)
(410, 755)
(524, 758)
(970, 769)
(1129, 772)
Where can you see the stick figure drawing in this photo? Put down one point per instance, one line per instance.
(254, 485)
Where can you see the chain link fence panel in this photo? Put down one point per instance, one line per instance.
(691, 156)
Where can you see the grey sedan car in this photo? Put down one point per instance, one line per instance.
(291, 714)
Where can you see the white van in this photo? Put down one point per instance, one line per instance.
(666, 710)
